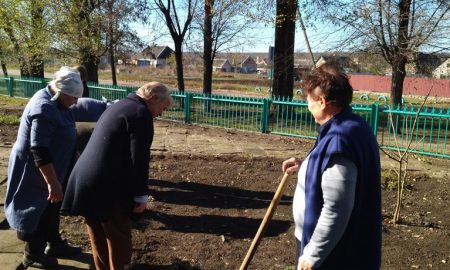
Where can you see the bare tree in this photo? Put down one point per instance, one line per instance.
(400, 154)
(119, 15)
(397, 30)
(178, 29)
(112, 14)
(208, 43)
(224, 25)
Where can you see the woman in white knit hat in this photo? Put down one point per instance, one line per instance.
(39, 164)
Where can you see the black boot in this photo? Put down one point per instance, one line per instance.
(61, 249)
(35, 257)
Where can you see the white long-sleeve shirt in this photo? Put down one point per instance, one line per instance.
(338, 189)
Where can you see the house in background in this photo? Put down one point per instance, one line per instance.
(248, 65)
(154, 56)
(431, 65)
(143, 62)
(263, 65)
(347, 61)
(442, 71)
(222, 65)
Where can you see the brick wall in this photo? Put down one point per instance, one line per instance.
(411, 85)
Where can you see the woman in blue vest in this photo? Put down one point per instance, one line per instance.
(39, 164)
(337, 201)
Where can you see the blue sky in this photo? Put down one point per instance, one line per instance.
(322, 38)
(264, 37)
(257, 40)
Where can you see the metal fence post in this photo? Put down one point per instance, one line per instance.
(10, 87)
(43, 83)
(374, 118)
(187, 107)
(265, 116)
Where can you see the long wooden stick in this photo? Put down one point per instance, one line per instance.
(267, 217)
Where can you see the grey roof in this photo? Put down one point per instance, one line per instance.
(219, 62)
(157, 52)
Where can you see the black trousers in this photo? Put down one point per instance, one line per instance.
(47, 230)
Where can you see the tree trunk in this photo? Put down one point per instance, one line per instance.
(398, 77)
(207, 48)
(112, 55)
(24, 68)
(90, 62)
(179, 62)
(283, 80)
(401, 50)
(33, 67)
(4, 69)
(37, 66)
(112, 63)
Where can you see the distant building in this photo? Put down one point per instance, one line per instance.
(263, 65)
(222, 65)
(248, 65)
(431, 65)
(442, 71)
(143, 62)
(155, 56)
(344, 60)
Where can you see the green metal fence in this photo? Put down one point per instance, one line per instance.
(26, 87)
(110, 92)
(394, 127)
(219, 111)
(425, 133)
(21, 87)
(4, 86)
(292, 117)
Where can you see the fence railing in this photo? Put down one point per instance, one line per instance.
(426, 131)
(394, 128)
(242, 113)
(110, 92)
(21, 87)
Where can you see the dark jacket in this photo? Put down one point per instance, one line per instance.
(348, 135)
(114, 166)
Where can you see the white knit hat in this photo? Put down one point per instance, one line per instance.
(68, 81)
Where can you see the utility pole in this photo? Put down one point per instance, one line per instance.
(302, 25)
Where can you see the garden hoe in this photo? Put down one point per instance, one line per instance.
(267, 217)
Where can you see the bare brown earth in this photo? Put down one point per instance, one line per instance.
(205, 210)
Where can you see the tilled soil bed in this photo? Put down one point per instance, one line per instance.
(206, 210)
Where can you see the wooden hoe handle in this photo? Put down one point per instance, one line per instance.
(267, 217)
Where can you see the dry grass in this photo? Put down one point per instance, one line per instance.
(193, 78)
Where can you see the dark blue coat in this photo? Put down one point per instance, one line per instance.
(114, 166)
